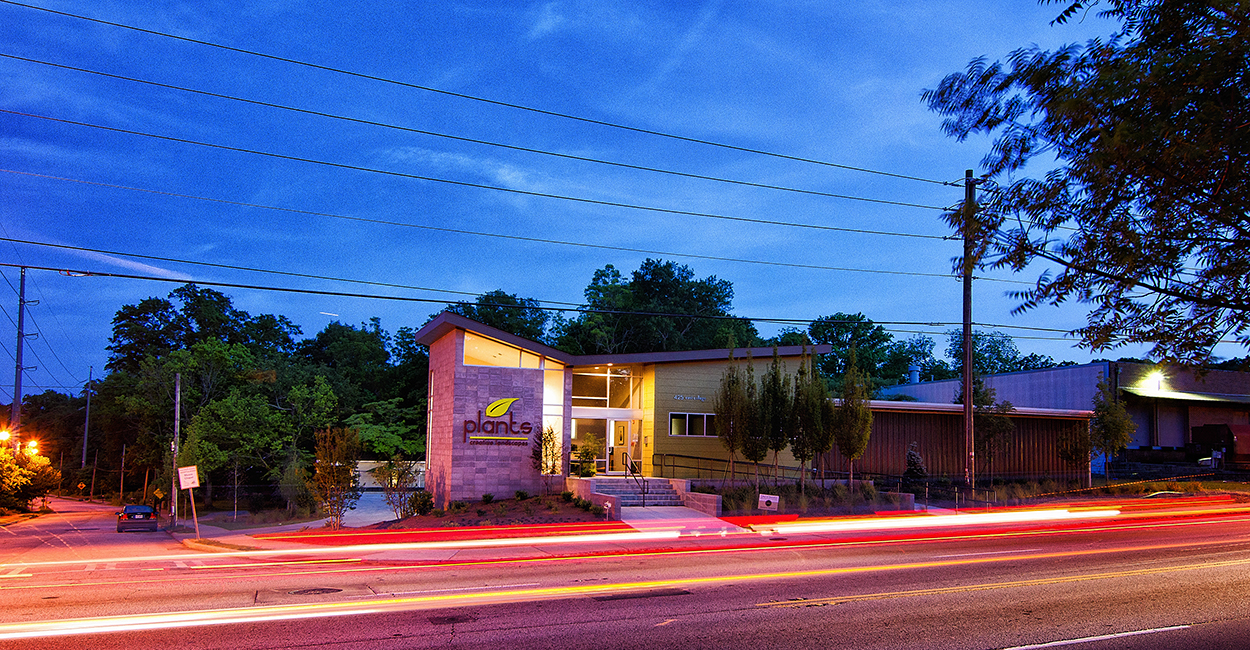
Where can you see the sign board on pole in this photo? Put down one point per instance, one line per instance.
(768, 502)
(189, 477)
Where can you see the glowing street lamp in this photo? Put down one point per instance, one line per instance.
(32, 447)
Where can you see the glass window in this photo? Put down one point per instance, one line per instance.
(618, 391)
(553, 388)
(529, 359)
(590, 390)
(606, 388)
(592, 434)
(692, 424)
(481, 351)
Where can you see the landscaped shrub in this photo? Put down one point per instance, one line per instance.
(487, 498)
(566, 496)
(457, 507)
(521, 495)
(421, 502)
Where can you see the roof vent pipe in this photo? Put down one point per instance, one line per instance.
(913, 374)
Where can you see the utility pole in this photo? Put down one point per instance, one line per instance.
(173, 493)
(15, 412)
(87, 422)
(969, 264)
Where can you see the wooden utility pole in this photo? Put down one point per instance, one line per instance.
(970, 207)
(86, 423)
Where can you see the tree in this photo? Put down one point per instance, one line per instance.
(733, 410)
(397, 478)
(387, 429)
(335, 483)
(992, 353)
(992, 428)
(846, 333)
(546, 453)
(148, 329)
(662, 307)
(24, 476)
(523, 317)
(1111, 429)
(852, 421)
(811, 402)
(776, 409)
(1144, 214)
(754, 440)
(917, 351)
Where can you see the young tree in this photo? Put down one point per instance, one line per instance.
(732, 410)
(1145, 215)
(992, 428)
(397, 478)
(1111, 429)
(754, 440)
(335, 483)
(852, 422)
(811, 398)
(776, 409)
(546, 453)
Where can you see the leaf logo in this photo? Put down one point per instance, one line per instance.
(500, 407)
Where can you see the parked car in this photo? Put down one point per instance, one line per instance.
(136, 518)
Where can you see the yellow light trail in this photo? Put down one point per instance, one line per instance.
(667, 552)
(136, 622)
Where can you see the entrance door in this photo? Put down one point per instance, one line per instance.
(621, 440)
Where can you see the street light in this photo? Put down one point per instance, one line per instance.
(32, 447)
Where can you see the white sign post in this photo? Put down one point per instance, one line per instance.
(768, 502)
(188, 479)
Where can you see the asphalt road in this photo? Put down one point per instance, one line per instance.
(1156, 581)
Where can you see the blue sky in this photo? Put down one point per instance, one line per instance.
(831, 82)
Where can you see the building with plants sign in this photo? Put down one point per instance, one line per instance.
(492, 395)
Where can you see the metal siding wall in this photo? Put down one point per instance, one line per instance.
(1032, 453)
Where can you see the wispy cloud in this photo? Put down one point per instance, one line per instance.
(549, 20)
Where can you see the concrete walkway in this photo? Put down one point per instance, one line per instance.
(679, 518)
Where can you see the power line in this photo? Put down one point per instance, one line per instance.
(598, 161)
(484, 100)
(483, 186)
(576, 309)
(40, 335)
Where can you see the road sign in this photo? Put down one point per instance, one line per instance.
(188, 477)
(768, 502)
(158, 493)
(82, 486)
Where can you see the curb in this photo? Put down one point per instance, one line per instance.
(214, 546)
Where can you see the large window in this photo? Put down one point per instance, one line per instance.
(606, 387)
(481, 351)
(691, 424)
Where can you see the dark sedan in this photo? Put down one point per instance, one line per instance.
(136, 518)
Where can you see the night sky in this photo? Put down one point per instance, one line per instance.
(350, 140)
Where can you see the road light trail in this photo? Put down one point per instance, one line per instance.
(269, 613)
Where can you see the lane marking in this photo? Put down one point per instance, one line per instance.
(1036, 582)
(1091, 639)
(665, 622)
(1017, 550)
(438, 591)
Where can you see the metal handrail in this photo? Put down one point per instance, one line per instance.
(635, 472)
